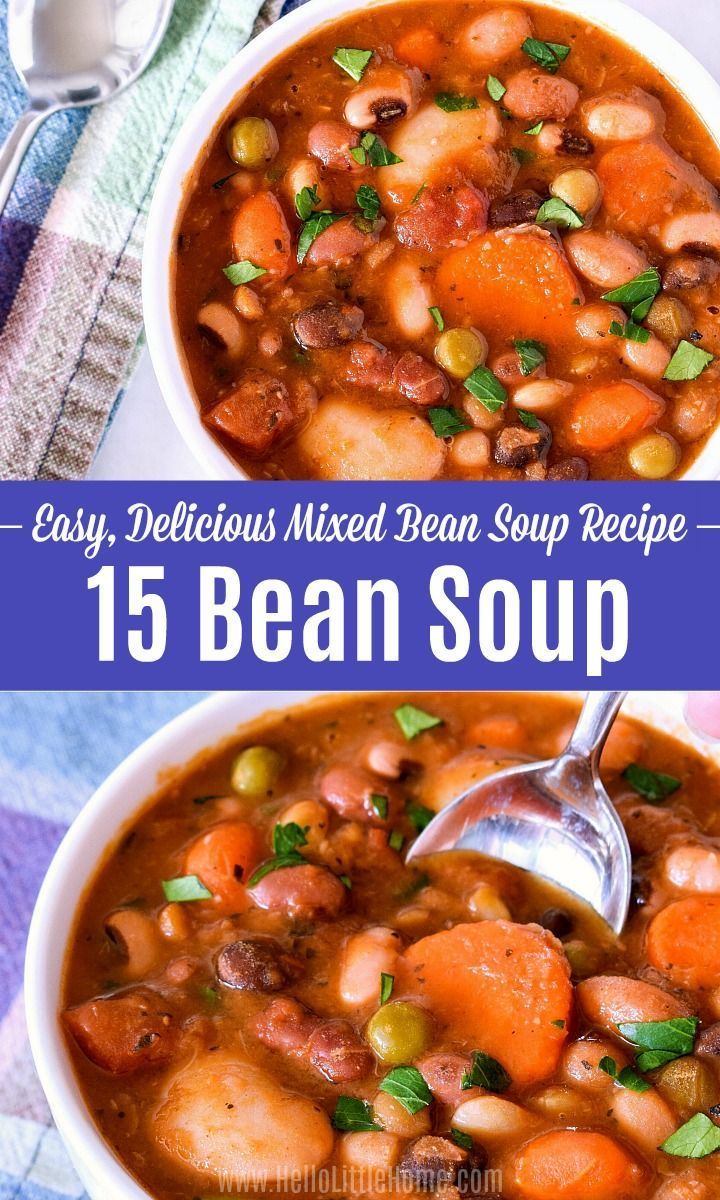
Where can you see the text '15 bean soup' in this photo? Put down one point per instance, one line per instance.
(260, 996)
(455, 241)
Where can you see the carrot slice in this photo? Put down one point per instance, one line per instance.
(260, 234)
(499, 987)
(644, 182)
(508, 280)
(683, 942)
(607, 416)
(419, 48)
(570, 1164)
(222, 859)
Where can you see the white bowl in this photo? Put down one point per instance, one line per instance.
(673, 60)
(100, 827)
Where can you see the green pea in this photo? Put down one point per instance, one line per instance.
(399, 1032)
(256, 770)
(460, 351)
(252, 143)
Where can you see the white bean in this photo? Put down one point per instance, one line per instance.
(367, 955)
(491, 1119)
(693, 868)
(470, 451)
(606, 259)
(495, 35)
(618, 119)
(649, 358)
(347, 439)
(410, 298)
(643, 1117)
(372, 1150)
(539, 395)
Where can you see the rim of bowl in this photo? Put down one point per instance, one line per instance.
(641, 33)
(123, 794)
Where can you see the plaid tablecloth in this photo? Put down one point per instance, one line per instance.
(71, 241)
(54, 751)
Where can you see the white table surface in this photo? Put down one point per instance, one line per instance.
(142, 442)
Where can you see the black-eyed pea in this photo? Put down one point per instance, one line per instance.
(222, 326)
(470, 451)
(460, 351)
(493, 1120)
(540, 395)
(387, 759)
(550, 138)
(654, 456)
(394, 1117)
(594, 320)
(579, 188)
(486, 904)
(248, 303)
(648, 359)
(387, 93)
(135, 936)
(621, 118)
(691, 229)
(669, 319)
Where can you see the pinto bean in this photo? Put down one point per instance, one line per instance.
(255, 965)
(331, 143)
(581, 1060)
(386, 93)
(337, 1052)
(303, 892)
(408, 374)
(649, 359)
(686, 271)
(610, 1000)
(594, 320)
(495, 35)
(649, 827)
(443, 217)
(127, 1032)
(340, 242)
(285, 1025)
(325, 325)
(256, 412)
(443, 1074)
(516, 446)
(350, 790)
(535, 96)
(606, 259)
(516, 209)
(569, 468)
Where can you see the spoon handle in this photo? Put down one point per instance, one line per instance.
(14, 149)
(593, 725)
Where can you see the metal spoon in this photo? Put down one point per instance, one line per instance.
(72, 53)
(554, 818)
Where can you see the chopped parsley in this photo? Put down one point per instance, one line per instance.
(660, 1042)
(407, 1086)
(305, 201)
(461, 1138)
(486, 388)
(522, 156)
(446, 422)
(454, 102)
(496, 89)
(528, 419)
(485, 1072)
(354, 1115)
(312, 228)
(547, 55)
(631, 331)
(652, 785)
(346, 881)
(243, 272)
(637, 296)
(437, 317)
(419, 816)
(626, 1078)
(697, 1138)
(380, 805)
(414, 721)
(687, 362)
(185, 888)
(387, 983)
(373, 152)
(418, 194)
(286, 838)
(396, 839)
(368, 202)
(531, 353)
(557, 212)
(535, 129)
(352, 61)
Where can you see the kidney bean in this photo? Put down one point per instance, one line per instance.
(302, 892)
(443, 1074)
(408, 375)
(325, 325)
(349, 790)
(255, 965)
(331, 143)
(337, 1052)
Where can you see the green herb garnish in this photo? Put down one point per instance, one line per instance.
(396, 839)
(528, 419)
(631, 331)
(687, 362)
(352, 61)
(305, 201)
(387, 983)
(413, 720)
(535, 129)
(522, 156)
(557, 212)
(660, 1042)
(371, 150)
(380, 805)
(446, 422)
(653, 785)
(485, 1072)
(312, 228)
(637, 296)
(531, 353)
(419, 816)
(496, 90)
(454, 102)
(627, 1077)
(354, 1115)
(461, 1139)
(697, 1138)
(437, 317)
(486, 388)
(368, 202)
(243, 272)
(547, 55)
(287, 838)
(407, 1086)
(185, 888)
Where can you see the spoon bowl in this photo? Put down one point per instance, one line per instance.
(553, 818)
(74, 53)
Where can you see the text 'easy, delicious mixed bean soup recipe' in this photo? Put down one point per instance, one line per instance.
(261, 995)
(455, 240)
